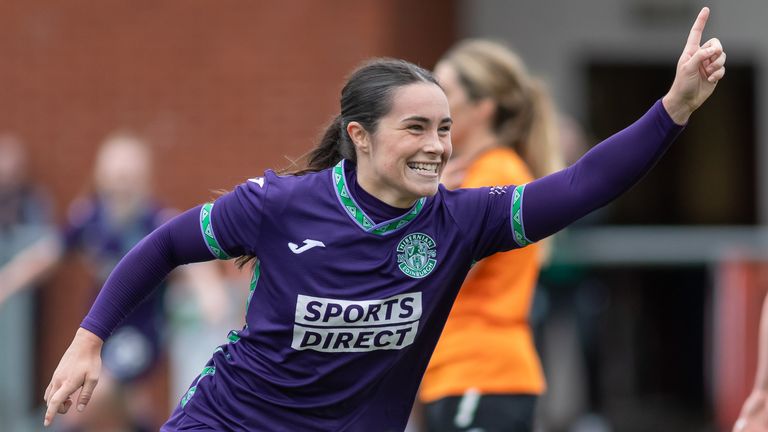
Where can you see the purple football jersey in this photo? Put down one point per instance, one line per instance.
(344, 312)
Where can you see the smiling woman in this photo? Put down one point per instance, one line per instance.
(402, 160)
(338, 336)
(395, 125)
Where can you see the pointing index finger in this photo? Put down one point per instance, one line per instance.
(57, 401)
(694, 37)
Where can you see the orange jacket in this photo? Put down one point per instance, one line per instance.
(487, 344)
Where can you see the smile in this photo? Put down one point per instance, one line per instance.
(424, 167)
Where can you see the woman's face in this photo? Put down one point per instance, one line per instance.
(123, 171)
(402, 161)
(466, 113)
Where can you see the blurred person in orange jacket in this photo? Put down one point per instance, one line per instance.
(485, 372)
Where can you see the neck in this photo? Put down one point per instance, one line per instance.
(123, 210)
(384, 194)
(380, 190)
(475, 143)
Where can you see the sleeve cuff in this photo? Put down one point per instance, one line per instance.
(206, 227)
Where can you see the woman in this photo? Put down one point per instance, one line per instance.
(504, 132)
(102, 227)
(361, 256)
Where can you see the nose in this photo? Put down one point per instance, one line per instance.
(434, 145)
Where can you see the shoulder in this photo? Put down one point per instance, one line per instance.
(287, 186)
(273, 180)
(499, 166)
(82, 211)
(272, 191)
(462, 201)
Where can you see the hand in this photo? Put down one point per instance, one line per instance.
(79, 368)
(754, 413)
(698, 71)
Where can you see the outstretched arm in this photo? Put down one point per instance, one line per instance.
(754, 413)
(135, 277)
(613, 166)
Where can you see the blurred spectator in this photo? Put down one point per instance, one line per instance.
(485, 373)
(21, 203)
(103, 227)
(24, 220)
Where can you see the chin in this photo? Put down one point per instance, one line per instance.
(426, 191)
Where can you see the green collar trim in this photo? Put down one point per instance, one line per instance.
(356, 213)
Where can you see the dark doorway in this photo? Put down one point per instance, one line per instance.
(709, 174)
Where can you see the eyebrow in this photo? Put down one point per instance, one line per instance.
(426, 120)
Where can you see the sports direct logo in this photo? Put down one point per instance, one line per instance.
(330, 325)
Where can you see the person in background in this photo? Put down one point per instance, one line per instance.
(754, 413)
(485, 372)
(25, 219)
(103, 227)
(22, 204)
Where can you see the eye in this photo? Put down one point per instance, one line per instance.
(444, 130)
(416, 128)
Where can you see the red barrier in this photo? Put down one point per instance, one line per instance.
(740, 287)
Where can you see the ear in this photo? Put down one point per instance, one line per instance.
(486, 108)
(360, 137)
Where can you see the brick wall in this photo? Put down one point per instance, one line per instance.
(221, 89)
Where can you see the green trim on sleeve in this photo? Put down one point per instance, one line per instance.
(516, 214)
(207, 230)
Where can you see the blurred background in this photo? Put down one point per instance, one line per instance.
(646, 317)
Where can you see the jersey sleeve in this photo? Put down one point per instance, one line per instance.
(485, 215)
(231, 225)
(600, 176)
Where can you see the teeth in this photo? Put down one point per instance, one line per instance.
(422, 166)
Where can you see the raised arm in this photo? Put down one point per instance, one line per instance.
(138, 274)
(699, 69)
(613, 166)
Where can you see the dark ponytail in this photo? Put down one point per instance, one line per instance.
(334, 146)
(365, 98)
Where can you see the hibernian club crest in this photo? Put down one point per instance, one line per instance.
(416, 255)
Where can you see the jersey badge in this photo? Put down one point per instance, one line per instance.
(416, 255)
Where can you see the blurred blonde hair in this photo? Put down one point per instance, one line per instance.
(525, 117)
